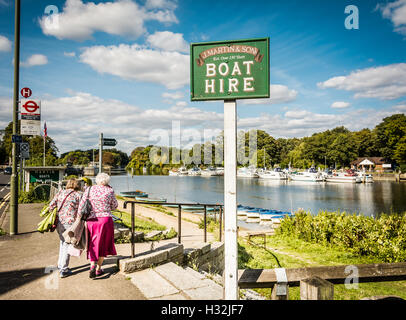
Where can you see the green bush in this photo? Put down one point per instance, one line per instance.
(383, 237)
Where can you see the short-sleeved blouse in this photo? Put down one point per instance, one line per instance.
(103, 201)
(68, 212)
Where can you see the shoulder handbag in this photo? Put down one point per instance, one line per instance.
(87, 208)
(53, 227)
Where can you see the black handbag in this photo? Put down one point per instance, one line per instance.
(87, 208)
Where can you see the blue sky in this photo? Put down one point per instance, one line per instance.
(122, 67)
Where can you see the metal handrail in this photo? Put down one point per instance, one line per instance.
(205, 205)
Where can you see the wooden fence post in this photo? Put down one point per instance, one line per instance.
(316, 288)
(280, 291)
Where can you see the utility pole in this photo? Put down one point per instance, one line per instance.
(101, 153)
(14, 173)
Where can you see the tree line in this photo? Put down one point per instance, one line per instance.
(337, 147)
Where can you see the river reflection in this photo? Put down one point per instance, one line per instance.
(368, 199)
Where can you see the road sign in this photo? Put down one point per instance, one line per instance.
(25, 150)
(230, 70)
(15, 138)
(31, 106)
(26, 92)
(109, 142)
(30, 127)
(31, 117)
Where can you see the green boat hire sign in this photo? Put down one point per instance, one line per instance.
(229, 70)
(44, 175)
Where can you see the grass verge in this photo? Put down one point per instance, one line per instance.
(286, 252)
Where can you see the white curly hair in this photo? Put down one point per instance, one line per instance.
(102, 179)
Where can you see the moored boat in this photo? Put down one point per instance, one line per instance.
(133, 194)
(150, 200)
(276, 174)
(348, 177)
(209, 172)
(183, 171)
(194, 171)
(311, 176)
(246, 173)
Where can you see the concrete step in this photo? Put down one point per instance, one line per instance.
(172, 282)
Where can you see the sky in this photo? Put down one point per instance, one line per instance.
(121, 67)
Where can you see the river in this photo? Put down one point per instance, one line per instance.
(366, 199)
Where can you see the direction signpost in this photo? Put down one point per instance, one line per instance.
(104, 142)
(109, 142)
(230, 70)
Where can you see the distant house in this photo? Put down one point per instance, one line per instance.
(371, 163)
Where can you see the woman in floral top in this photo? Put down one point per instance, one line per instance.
(100, 223)
(67, 201)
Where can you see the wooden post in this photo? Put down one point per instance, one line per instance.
(280, 292)
(316, 288)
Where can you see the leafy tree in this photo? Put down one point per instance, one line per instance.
(390, 135)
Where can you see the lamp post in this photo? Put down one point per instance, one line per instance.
(14, 173)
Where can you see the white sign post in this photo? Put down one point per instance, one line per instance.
(230, 70)
(230, 201)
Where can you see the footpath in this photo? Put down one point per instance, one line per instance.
(28, 261)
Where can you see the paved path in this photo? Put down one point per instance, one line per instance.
(29, 258)
(27, 261)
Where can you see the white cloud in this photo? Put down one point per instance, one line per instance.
(131, 125)
(69, 54)
(340, 105)
(161, 4)
(301, 123)
(168, 41)
(385, 83)
(35, 60)
(181, 104)
(135, 62)
(5, 44)
(173, 95)
(78, 20)
(278, 94)
(396, 12)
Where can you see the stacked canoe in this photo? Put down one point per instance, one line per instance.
(260, 215)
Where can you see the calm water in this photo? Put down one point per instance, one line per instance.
(367, 199)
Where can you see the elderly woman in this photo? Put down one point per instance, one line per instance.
(67, 201)
(100, 223)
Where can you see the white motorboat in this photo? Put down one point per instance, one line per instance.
(276, 174)
(220, 171)
(365, 178)
(209, 172)
(194, 171)
(311, 175)
(173, 173)
(343, 178)
(246, 173)
(183, 171)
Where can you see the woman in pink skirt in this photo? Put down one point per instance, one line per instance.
(100, 223)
